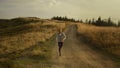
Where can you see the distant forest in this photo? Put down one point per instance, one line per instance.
(98, 22)
(64, 19)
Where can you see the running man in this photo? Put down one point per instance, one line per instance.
(60, 39)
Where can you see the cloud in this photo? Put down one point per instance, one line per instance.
(53, 3)
(46, 3)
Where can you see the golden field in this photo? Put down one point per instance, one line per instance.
(14, 40)
(106, 38)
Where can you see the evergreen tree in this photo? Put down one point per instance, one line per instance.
(99, 21)
(93, 21)
(118, 23)
(81, 21)
(89, 22)
(110, 23)
(86, 21)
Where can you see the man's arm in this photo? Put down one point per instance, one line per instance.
(64, 36)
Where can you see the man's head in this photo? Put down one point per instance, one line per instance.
(60, 30)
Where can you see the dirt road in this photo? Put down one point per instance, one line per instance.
(76, 54)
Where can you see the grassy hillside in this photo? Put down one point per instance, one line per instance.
(106, 38)
(22, 37)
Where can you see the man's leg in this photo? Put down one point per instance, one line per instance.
(59, 50)
(60, 47)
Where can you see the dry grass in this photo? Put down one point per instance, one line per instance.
(107, 38)
(21, 37)
(26, 37)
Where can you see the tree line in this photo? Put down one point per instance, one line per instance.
(101, 22)
(98, 22)
(65, 18)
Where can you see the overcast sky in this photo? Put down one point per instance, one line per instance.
(79, 9)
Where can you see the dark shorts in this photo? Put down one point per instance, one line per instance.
(60, 44)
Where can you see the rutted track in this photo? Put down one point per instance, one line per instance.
(77, 54)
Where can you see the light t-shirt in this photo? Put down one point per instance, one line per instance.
(60, 37)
